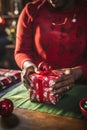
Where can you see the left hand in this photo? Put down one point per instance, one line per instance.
(65, 82)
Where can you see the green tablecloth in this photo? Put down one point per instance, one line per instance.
(67, 106)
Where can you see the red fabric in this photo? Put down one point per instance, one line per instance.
(40, 87)
(60, 45)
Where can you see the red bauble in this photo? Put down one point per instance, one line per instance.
(6, 107)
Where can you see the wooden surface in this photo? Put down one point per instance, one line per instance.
(31, 120)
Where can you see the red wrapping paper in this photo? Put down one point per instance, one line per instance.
(41, 82)
(9, 77)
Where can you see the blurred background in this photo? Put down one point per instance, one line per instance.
(9, 13)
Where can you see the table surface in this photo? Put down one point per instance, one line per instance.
(22, 119)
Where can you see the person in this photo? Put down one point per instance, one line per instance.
(53, 31)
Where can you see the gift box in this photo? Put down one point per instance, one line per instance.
(41, 84)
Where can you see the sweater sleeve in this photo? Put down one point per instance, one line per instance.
(24, 35)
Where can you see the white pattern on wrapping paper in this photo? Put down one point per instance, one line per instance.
(45, 78)
(51, 83)
(37, 97)
(45, 94)
(46, 89)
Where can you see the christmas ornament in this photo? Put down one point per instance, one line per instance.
(6, 107)
(85, 105)
(2, 21)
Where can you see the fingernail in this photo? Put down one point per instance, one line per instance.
(51, 94)
(51, 83)
(57, 95)
(50, 89)
(67, 72)
(67, 87)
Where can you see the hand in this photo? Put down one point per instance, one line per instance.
(28, 68)
(25, 76)
(65, 82)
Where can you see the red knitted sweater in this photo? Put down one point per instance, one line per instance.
(57, 37)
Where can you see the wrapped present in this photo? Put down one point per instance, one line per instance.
(12, 74)
(4, 82)
(9, 77)
(41, 84)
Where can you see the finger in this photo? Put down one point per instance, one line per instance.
(64, 83)
(67, 87)
(63, 78)
(60, 91)
(67, 71)
(25, 80)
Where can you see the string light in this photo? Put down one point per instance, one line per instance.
(74, 20)
(65, 20)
